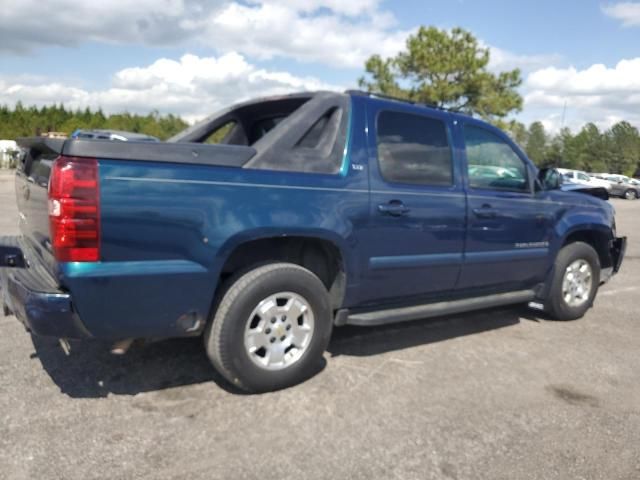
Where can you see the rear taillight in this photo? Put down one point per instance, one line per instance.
(74, 209)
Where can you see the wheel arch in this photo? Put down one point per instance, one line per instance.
(323, 253)
(599, 238)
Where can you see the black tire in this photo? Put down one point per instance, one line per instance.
(630, 195)
(224, 336)
(556, 306)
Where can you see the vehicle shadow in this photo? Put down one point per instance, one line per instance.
(91, 371)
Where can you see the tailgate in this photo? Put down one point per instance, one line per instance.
(32, 179)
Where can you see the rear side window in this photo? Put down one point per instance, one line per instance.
(492, 163)
(413, 149)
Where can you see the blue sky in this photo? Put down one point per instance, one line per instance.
(192, 57)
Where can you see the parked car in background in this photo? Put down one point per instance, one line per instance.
(582, 178)
(623, 186)
(118, 135)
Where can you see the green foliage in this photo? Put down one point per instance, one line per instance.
(518, 132)
(536, 143)
(616, 150)
(220, 133)
(29, 121)
(448, 69)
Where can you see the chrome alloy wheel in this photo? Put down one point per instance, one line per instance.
(577, 283)
(279, 331)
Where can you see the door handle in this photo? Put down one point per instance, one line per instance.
(485, 212)
(394, 208)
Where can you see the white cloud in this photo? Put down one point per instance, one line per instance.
(599, 94)
(192, 87)
(29, 24)
(343, 7)
(502, 60)
(624, 77)
(333, 32)
(339, 33)
(270, 30)
(627, 12)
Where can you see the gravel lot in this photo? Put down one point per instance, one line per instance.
(500, 394)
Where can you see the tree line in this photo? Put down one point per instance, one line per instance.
(22, 121)
(615, 150)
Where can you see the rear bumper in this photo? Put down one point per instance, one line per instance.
(37, 301)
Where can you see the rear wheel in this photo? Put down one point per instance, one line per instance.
(575, 282)
(271, 328)
(630, 195)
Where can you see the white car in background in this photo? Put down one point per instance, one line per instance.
(582, 178)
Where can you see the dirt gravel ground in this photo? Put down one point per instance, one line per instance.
(500, 394)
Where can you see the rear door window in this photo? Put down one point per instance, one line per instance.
(413, 149)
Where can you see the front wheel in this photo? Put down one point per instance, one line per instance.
(271, 328)
(575, 282)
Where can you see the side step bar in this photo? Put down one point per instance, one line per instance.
(396, 315)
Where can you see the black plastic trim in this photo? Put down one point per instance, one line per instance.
(191, 153)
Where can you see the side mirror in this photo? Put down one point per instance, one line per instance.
(549, 178)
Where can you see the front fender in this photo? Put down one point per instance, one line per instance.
(583, 220)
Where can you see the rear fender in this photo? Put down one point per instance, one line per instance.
(246, 236)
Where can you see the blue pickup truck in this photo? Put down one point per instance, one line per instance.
(266, 225)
